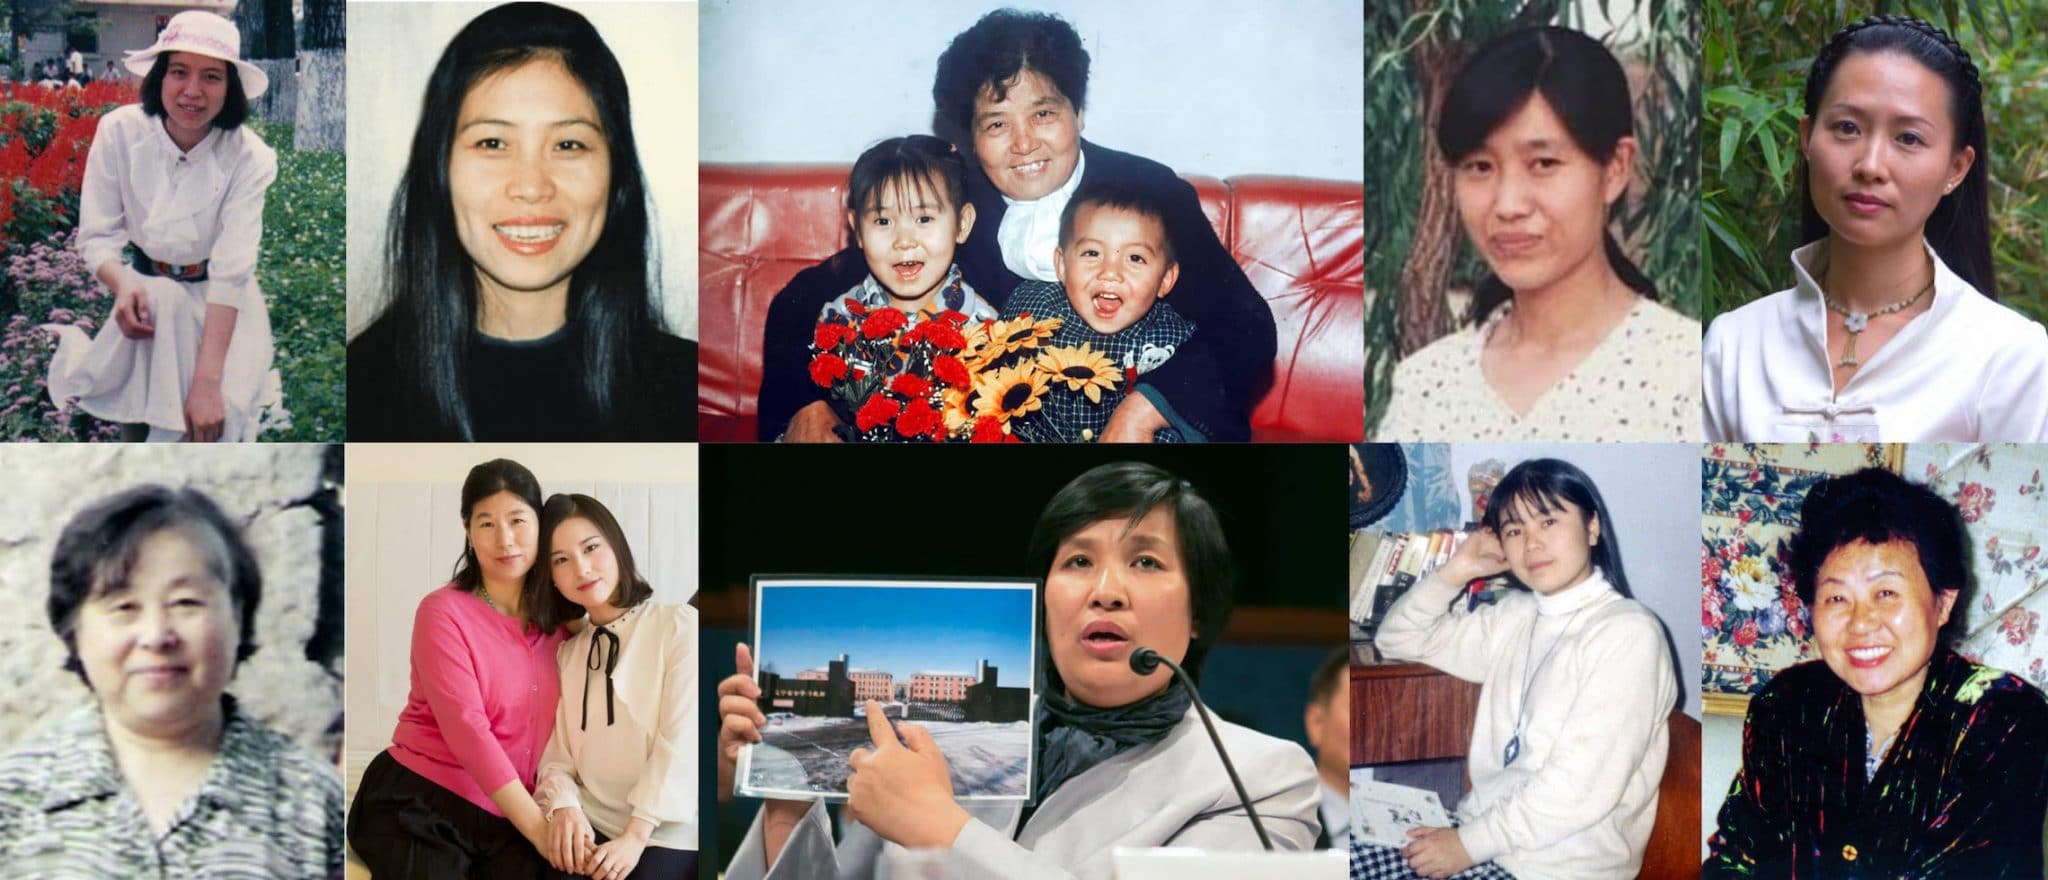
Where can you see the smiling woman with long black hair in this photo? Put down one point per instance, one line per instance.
(518, 258)
(1575, 684)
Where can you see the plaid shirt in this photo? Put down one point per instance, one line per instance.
(1138, 349)
(265, 810)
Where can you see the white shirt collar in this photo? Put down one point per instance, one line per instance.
(1030, 231)
(1575, 597)
(1811, 261)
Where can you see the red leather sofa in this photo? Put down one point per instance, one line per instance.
(1301, 242)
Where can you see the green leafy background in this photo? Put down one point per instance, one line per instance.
(1658, 222)
(1756, 56)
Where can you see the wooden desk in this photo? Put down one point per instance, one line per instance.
(1409, 712)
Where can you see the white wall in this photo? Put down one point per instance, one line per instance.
(405, 532)
(392, 50)
(1206, 86)
(1652, 491)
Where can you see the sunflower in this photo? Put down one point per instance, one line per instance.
(1008, 392)
(1081, 369)
(1005, 336)
(953, 408)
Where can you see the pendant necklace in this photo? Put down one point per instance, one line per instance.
(1514, 747)
(1857, 322)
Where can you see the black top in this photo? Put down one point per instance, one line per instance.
(1212, 382)
(526, 391)
(1961, 792)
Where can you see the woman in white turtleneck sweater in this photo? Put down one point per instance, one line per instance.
(1575, 683)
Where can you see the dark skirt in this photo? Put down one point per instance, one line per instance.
(404, 825)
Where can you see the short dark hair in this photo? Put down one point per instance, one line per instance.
(1540, 483)
(913, 162)
(1329, 675)
(1129, 490)
(96, 552)
(484, 481)
(234, 109)
(992, 54)
(1124, 198)
(546, 606)
(1876, 506)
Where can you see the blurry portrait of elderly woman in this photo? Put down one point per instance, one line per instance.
(182, 588)
(1891, 755)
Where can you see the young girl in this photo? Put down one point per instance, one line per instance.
(187, 353)
(619, 775)
(1569, 741)
(1568, 342)
(1890, 331)
(906, 204)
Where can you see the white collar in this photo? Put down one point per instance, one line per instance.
(1811, 261)
(1030, 231)
(1575, 597)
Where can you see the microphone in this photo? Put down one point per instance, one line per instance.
(1143, 662)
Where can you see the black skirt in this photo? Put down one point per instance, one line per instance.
(406, 826)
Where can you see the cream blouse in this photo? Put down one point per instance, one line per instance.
(642, 760)
(1965, 370)
(1636, 386)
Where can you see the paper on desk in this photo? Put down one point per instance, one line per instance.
(1382, 812)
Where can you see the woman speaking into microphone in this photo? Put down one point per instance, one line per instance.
(1133, 559)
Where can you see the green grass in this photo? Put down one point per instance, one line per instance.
(302, 273)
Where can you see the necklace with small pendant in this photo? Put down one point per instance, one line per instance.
(1856, 322)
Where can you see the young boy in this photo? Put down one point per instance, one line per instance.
(1116, 266)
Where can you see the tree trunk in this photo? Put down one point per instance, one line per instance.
(323, 74)
(1427, 270)
(322, 124)
(326, 24)
(280, 104)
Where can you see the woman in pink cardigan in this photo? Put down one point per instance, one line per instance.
(452, 797)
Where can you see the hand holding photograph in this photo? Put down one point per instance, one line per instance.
(955, 658)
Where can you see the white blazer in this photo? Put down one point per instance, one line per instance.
(1967, 370)
(1171, 793)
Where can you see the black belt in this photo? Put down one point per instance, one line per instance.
(156, 268)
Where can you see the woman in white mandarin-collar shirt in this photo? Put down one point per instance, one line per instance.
(618, 779)
(180, 182)
(1891, 331)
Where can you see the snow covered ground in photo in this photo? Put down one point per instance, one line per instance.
(805, 754)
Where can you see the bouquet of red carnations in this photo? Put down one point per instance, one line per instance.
(939, 377)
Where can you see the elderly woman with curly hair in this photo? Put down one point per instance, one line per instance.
(1891, 756)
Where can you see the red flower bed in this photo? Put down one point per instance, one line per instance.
(45, 135)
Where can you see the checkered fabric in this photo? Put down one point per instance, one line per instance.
(1374, 862)
(1138, 349)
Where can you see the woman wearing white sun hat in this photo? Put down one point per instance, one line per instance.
(187, 353)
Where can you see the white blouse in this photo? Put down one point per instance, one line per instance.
(177, 206)
(1965, 370)
(1636, 386)
(643, 763)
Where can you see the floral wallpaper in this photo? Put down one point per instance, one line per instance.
(1751, 622)
(2000, 493)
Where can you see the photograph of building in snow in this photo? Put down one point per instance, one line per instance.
(957, 657)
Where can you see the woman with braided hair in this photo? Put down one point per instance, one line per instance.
(1891, 331)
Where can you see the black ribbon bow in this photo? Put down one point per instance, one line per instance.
(608, 662)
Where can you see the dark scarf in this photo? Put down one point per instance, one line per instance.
(1073, 737)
